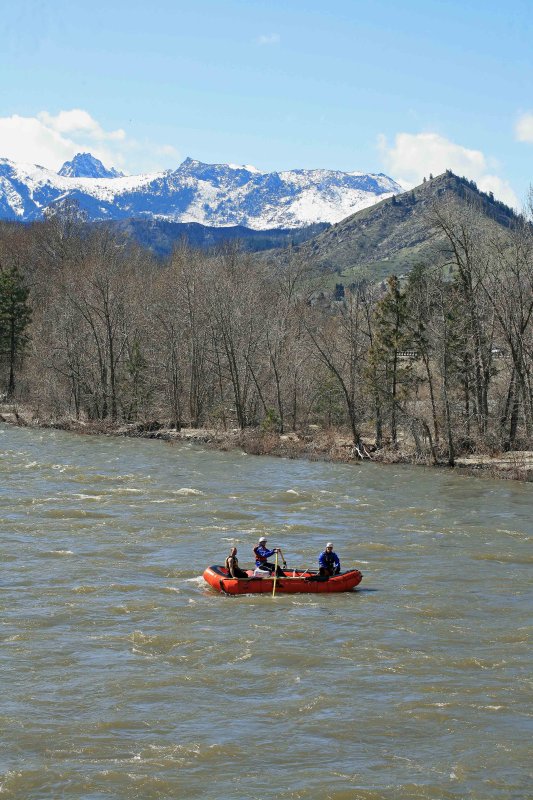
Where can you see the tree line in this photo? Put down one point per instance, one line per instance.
(441, 360)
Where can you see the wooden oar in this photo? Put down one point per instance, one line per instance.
(275, 576)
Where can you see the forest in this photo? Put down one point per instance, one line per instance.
(438, 362)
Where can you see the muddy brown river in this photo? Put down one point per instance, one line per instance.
(124, 676)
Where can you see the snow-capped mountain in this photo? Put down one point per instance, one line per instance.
(85, 165)
(216, 195)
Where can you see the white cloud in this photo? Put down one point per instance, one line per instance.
(167, 150)
(269, 39)
(77, 121)
(29, 139)
(524, 128)
(50, 140)
(414, 156)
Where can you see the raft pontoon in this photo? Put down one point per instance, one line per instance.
(293, 582)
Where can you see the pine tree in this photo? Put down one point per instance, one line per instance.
(15, 316)
(392, 337)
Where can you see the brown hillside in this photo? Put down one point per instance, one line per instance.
(393, 235)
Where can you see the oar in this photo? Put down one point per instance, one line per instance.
(307, 572)
(282, 557)
(275, 576)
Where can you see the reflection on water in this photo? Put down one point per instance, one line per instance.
(124, 676)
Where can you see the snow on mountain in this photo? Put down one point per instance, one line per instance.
(85, 165)
(217, 195)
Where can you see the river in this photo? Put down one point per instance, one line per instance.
(125, 676)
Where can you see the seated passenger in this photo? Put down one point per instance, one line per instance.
(232, 565)
(328, 562)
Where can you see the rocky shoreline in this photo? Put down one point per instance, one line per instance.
(314, 444)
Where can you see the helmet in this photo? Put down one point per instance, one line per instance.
(262, 539)
(329, 544)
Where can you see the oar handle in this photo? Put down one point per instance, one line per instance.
(275, 576)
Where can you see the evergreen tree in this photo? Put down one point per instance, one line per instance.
(15, 316)
(392, 336)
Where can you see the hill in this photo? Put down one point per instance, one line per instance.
(395, 234)
(161, 237)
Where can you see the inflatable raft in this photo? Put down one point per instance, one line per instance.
(294, 582)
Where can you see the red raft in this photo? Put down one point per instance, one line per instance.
(295, 582)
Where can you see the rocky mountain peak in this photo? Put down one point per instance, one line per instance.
(85, 165)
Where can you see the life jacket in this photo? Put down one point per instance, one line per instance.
(329, 559)
(235, 563)
(262, 559)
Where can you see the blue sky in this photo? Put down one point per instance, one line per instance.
(402, 88)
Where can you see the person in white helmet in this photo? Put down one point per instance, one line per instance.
(328, 562)
(262, 554)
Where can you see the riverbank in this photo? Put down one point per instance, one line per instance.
(313, 443)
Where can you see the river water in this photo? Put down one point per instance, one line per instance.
(125, 676)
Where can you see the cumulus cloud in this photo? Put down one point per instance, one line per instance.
(414, 156)
(50, 140)
(524, 128)
(79, 122)
(269, 39)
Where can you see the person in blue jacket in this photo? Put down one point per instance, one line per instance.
(328, 562)
(262, 554)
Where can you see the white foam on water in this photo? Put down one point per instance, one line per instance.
(199, 580)
(138, 652)
(38, 501)
(187, 491)
(211, 528)
(244, 656)
(61, 552)
(120, 610)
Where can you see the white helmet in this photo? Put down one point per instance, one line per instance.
(329, 544)
(262, 539)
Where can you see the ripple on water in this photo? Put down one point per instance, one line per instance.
(504, 558)
(75, 513)
(127, 676)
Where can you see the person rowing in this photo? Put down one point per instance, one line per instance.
(262, 554)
